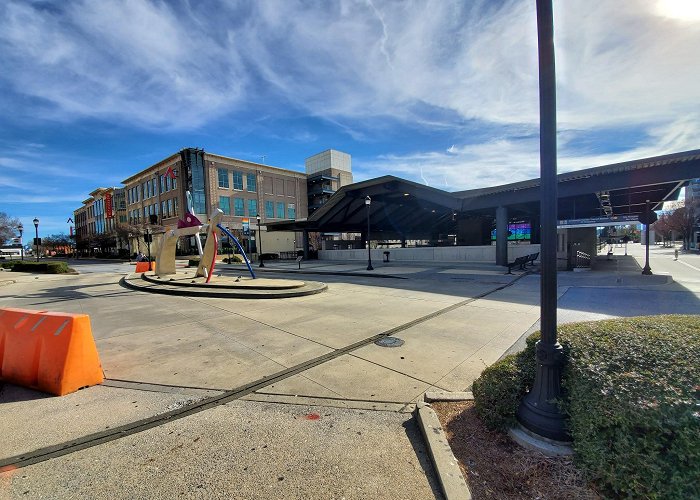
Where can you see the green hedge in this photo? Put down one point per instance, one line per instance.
(632, 394)
(30, 266)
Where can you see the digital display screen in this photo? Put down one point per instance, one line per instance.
(516, 231)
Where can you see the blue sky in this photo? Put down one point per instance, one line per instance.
(441, 92)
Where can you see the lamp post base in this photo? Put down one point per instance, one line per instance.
(369, 266)
(647, 270)
(538, 410)
(262, 264)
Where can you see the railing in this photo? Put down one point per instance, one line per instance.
(582, 260)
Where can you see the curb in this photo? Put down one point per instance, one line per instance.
(450, 475)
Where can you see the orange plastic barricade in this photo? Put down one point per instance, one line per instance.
(142, 267)
(49, 351)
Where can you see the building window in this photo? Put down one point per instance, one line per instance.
(170, 208)
(161, 181)
(223, 177)
(237, 181)
(225, 204)
(291, 211)
(175, 211)
(164, 209)
(252, 208)
(174, 183)
(280, 210)
(238, 207)
(167, 183)
(252, 183)
(269, 210)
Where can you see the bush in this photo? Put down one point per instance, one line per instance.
(29, 266)
(193, 262)
(235, 258)
(632, 389)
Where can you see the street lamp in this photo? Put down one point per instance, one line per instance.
(228, 238)
(538, 410)
(260, 258)
(368, 202)
(647, 222)
(36, 240)
(20, 228)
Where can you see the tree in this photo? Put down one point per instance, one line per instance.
(8, 227)
(682, 220)
(662, 227)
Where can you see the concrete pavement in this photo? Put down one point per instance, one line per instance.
(161, 353)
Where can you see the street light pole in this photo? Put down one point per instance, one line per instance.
(20, 228)
(538, 410)
(260, 258)
(647, 269)
(368, 202)
(228, 238)
(36, 240)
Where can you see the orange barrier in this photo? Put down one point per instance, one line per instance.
(142, 267)
(49, 351)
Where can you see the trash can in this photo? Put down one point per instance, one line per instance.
(386, 256)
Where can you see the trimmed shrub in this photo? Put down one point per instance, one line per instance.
(193, 262)
(235, 259)
(29, 266)
(632, 394)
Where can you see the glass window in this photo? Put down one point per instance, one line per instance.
(161, 181)
(175, 212)
(225, 204)
(238, 207)
(223, 177)
(291, 211)
(252, 208)
(174, 183)
(252, 183)
(280, 210)
(167, 183)
(237, 180)
(269, 210)
(170, 208)
(163, 209)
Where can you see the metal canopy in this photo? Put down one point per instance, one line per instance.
(405, 209)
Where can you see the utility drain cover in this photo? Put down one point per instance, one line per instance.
(389, 342)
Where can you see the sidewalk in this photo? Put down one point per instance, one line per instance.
(330, 415)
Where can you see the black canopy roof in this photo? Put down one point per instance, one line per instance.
(402, 207)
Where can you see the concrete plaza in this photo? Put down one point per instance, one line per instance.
(313, 408)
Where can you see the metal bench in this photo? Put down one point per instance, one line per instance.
(519, 261)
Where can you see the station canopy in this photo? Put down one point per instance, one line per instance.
(404, 209)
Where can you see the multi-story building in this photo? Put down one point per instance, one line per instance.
(326, 172)
(243, 191)
(100, 215)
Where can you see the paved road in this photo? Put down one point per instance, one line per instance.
(329, 422)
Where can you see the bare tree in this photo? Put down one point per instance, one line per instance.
(8, 227)
(682, 220)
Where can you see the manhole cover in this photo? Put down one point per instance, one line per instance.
(389, 342)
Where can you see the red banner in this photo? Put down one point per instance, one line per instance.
(108, 206)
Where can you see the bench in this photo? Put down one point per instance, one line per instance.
(519, 261)
(532, 258)
(299, 259)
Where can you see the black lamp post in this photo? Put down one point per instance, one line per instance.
(260, 258)
(228, 239)
(368, 202)
(20, 228)
(538, 410)
(36, 240)
(647, 222)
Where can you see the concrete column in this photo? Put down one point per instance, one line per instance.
(535, 230)
(502, 236)
(305, 244)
